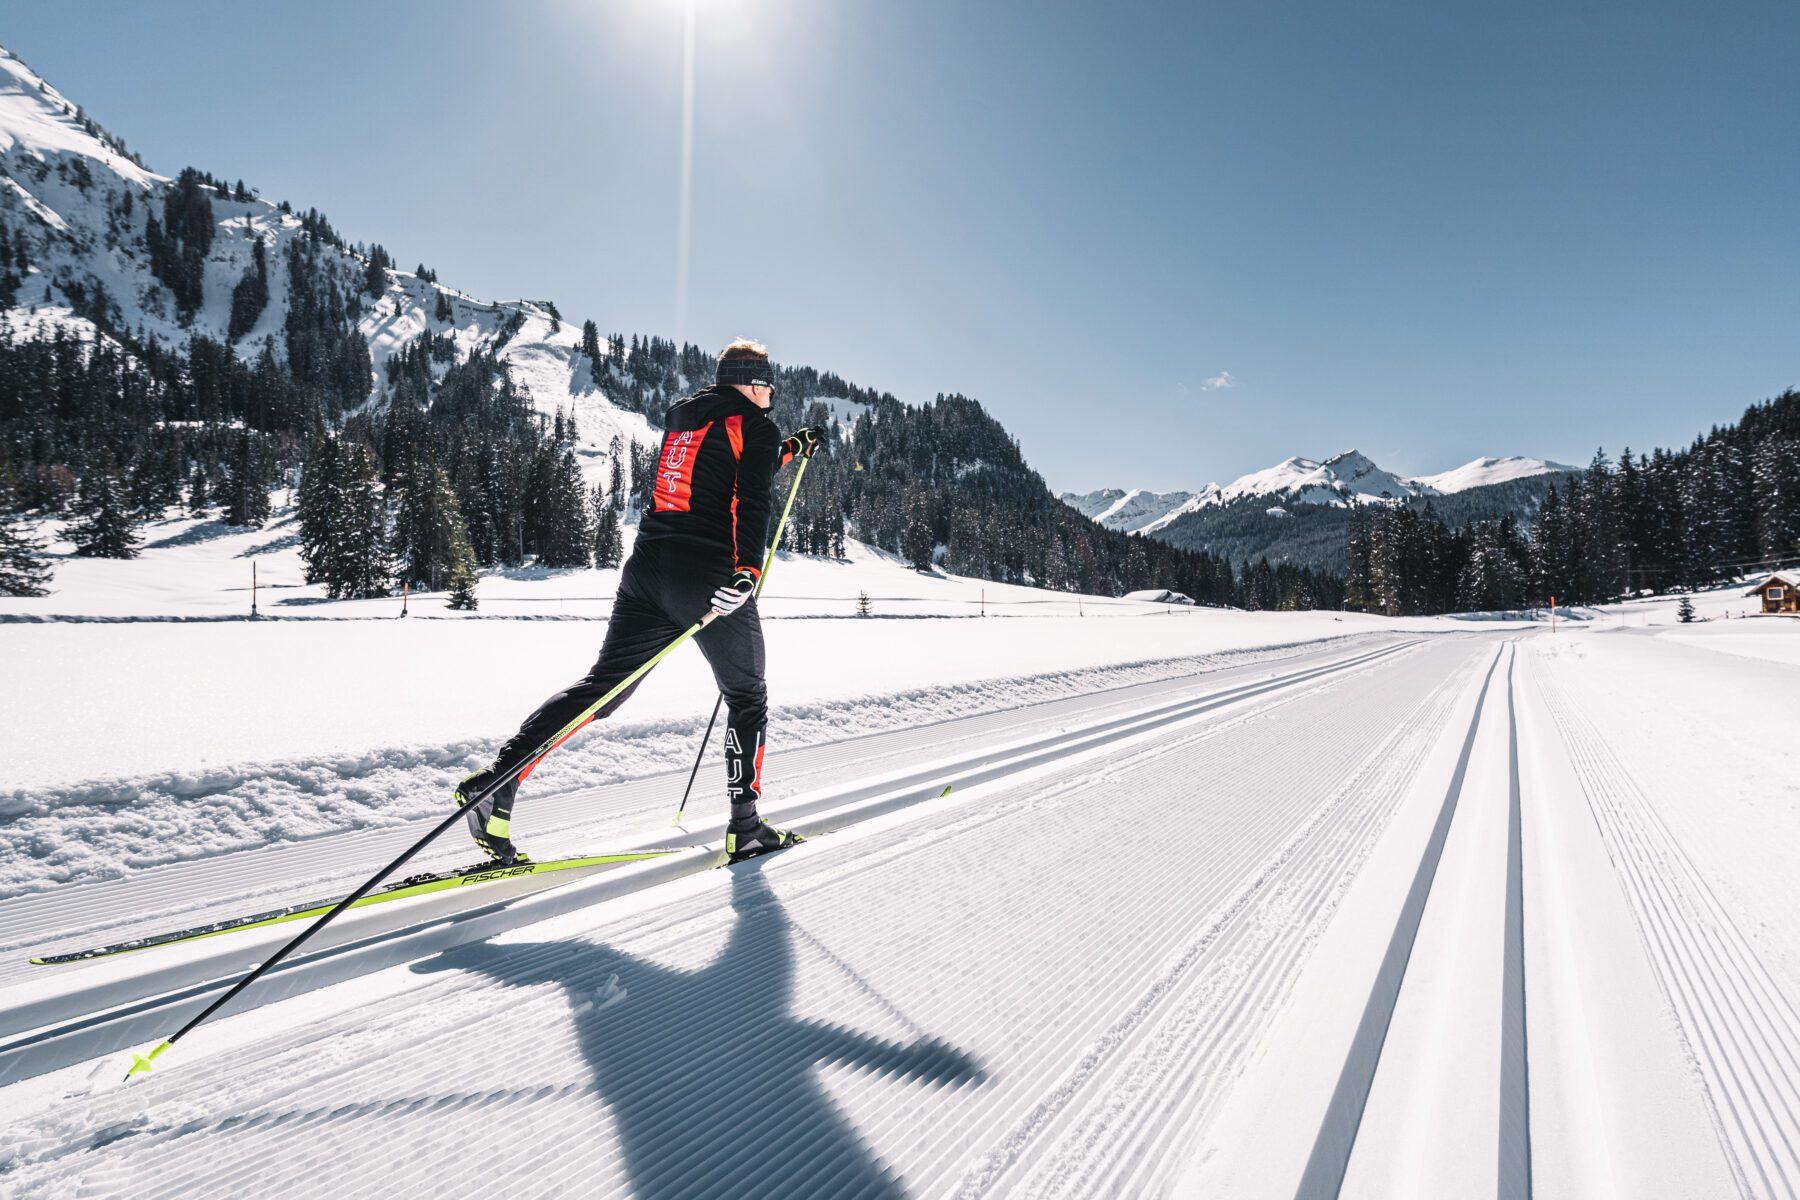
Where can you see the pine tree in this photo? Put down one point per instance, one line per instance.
(1475, 589)
(361, 567)
(463, 576)
(1684, 612)
(375, 278)
(609, 542)
(862, 604)
(317, 505)
(443, 311)
(590, 346)
(564, 536)
(199, 496)
(1776, 472)
(643, 475)
(430, 532)
(1606, 551)
(251, 295)
(499, 525)
(178, 244)
(615, 488)
(917, 542)
(1358, 592)
(23, 571)
(246, 485)
(105, 530)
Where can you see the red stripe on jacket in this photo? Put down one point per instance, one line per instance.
(675, 469)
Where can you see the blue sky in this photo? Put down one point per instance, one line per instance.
(1428, 231)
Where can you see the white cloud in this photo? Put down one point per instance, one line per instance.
(1219, 382)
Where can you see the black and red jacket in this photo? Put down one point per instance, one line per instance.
(715, 477)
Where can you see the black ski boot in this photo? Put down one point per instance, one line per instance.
(760, 838)
(489, 821)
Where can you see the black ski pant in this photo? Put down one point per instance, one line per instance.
(664, 589)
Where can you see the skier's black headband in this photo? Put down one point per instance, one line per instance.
(751, 372)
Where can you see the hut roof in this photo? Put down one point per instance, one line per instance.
(1787, 578)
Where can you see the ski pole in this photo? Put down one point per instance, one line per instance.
(768, 561)
(143, 1062)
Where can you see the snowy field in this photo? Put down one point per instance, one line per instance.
(151, 721)
(1218, 903)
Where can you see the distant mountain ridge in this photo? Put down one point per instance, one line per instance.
(1341, 481)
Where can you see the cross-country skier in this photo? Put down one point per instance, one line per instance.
(701, 545)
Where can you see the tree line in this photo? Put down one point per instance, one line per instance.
(1658, 522)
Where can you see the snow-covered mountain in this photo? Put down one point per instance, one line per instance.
(1118, 509)
(1341, 481)
(1483, 471)
(83, 207)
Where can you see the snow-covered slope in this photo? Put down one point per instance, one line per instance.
(1343, 480)
(1129, 512)
(1482, 471)
(83, 207)
(1092, 504)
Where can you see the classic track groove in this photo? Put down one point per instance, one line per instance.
(1742, 1031)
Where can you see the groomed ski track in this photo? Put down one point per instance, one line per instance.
(1298, 928)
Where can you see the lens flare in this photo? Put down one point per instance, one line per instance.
(685, 206)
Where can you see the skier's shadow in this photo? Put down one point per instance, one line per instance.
(712, 1082)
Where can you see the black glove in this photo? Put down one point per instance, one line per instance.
(729, 598)
(802, 442)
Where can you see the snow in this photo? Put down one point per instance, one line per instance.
(841, 411)
(1688, 763)
(36, 120)
(1480, 472)
(920, 957)
(1092, 504)
(1301, 478)
(1770, 639)
(1129, 512)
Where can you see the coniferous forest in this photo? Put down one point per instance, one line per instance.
(1665, 521)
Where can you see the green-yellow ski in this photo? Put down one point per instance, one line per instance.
(417, 885)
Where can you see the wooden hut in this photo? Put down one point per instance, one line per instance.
(1780, 593)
